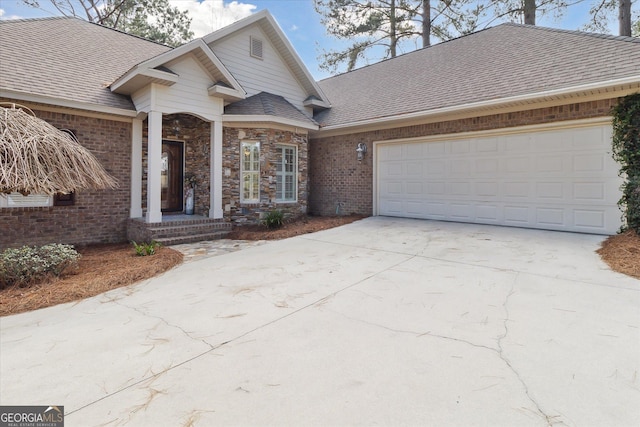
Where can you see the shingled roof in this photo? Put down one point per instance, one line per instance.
(501, 62)
(32, 61)
(267, 104)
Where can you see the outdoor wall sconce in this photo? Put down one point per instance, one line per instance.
(176, 127)
(361, 150)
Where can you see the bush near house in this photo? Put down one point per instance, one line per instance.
(626, 151)
(32, 264)
(274, 219)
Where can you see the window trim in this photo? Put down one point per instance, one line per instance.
(280, 149)
(5, 202)
(244, 172)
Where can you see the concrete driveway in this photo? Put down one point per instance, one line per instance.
(380, 322)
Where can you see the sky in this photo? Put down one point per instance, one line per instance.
(297, 18)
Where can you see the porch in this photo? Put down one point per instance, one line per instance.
(178, 228)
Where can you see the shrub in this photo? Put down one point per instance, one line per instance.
(626, 151)
(144, 249)
(274, 219)
(28, 265)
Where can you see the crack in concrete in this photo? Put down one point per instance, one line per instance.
(549, 419)
(163, 320)
(212, 348)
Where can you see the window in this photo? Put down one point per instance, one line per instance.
(286, 174)
(250, 167)
(62, 199)
(17, 200)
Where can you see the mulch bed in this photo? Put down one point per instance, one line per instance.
(622, 253)
(101, 268)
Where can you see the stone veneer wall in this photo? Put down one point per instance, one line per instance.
(252, 212)
(341, 184)
(96, 216)
(196, 134)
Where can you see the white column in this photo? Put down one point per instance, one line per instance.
(215, 169)
(136, 169)
(154, 160)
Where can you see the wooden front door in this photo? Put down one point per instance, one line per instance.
(172, 176)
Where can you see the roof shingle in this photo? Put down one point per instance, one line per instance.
(32, 61)
(267, 104)
(500, 62)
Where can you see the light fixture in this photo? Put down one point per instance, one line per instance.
(176, 127)
(361, 150)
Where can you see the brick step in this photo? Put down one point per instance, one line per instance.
(167, 230)
(178, 240)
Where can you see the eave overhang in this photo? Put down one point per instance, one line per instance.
(575, 94)
(154, 71)
(226, 93)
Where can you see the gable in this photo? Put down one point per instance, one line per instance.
(188, 93)
(267, 74)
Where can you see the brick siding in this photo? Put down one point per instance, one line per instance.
(341, 184)
(96, 216)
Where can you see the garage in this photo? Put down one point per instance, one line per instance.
(554, 177)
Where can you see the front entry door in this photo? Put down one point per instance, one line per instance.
(172, 176)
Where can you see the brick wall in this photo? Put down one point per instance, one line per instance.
(96, 216)
(268, 138)
(341, 184)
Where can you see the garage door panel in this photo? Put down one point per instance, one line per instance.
(517, 189)
(554, 179)
(487, 145)
(589, 163)
(550, 190)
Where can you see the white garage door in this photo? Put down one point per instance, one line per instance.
(562, 179)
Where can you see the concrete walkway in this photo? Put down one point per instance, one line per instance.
(380, 322)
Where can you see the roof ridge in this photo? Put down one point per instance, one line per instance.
(84, 21)
(574, 32)
(267, 104)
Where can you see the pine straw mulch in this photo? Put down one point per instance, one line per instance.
(100, 269)
(622, 253)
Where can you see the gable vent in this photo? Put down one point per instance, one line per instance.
(256, 48)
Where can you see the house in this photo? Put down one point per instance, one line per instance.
(230, 112)
(509, 126)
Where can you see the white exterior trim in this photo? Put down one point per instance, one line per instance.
(154, 160)
(136, 169)
(215, 172)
